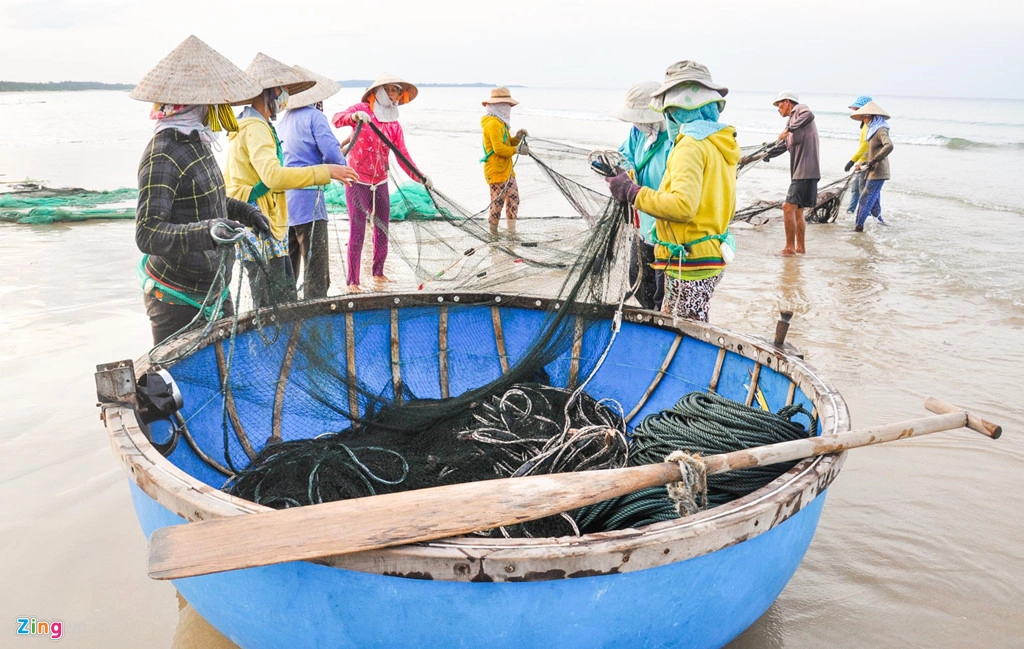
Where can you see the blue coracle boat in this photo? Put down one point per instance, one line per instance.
(694, 582)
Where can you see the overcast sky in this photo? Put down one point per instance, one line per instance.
(900, 47)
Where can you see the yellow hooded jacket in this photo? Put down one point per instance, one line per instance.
(696, 199)
(499, 147)
(252, 157)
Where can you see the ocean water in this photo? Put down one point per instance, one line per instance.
(918, 545)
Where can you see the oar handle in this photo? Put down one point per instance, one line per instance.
(977, 424)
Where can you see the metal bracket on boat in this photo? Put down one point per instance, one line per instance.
(115, 383)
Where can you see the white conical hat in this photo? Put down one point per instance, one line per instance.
(387, 79)
(325, 87)
(271, 73)
(870, 108)
(195, 74)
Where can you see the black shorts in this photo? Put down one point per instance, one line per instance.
(803, 193)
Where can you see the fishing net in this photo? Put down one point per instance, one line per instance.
(31, 203)
(826, 207)
(343, 427)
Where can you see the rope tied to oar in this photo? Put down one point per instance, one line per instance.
(690, 493)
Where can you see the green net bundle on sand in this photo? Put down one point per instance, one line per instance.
(409, 201)
(43, 205)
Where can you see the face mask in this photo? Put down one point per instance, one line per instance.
(282, 100)
(673, 126)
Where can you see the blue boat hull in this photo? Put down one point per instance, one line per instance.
(700, 603)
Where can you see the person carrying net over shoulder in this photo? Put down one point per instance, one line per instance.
(500, 148)
(697, 197)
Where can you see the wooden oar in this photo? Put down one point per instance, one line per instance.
(374, 522)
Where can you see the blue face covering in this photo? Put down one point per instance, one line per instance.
(698, 123)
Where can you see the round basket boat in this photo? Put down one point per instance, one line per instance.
(696, 581)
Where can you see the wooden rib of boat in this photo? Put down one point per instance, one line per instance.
(693, 582)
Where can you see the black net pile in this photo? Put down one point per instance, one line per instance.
(532, 428)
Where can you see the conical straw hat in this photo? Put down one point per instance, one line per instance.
(325, 87)
(387, 79)
(195, 74)
(870, 108)
(271, 73)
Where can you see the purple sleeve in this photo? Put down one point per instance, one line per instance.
(326, 141)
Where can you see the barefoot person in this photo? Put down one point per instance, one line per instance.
(499, 150)
(800, 138)
(697, 196)
(184, 221)
(368, 197)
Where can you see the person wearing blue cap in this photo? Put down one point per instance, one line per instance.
(859, 158)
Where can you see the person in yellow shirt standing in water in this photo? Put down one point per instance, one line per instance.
(697, 197)
(499, 150)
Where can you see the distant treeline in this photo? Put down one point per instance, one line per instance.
(18, 86)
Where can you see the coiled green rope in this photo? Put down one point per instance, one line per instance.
(704, 423)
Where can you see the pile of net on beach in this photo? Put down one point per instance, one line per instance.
(826, 208)
(34, 204)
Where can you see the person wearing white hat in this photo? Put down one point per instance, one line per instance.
(500, 148)
(185, 223)
(255, 173)
(800, 138)
(646, 150)
(377, 133)
(307, 139)
(875, 119)
(697, 197)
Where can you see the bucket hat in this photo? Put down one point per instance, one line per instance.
(636, 108)
(682, 72)
(388, 79)
(859, 101)
(500, 95)
(870, 108)
(196, 74)
(325, 87)
(271, 73)
(784, 95)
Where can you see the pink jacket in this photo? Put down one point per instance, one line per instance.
(369, 155)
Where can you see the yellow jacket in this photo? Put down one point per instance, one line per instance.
(499, 147)
(252, 157)
(696, 199)
(862, 151)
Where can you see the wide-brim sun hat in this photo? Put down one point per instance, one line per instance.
(695, 75)
(387, 79)
(636, 108)
(270, 73)
(196, 74)
(786, 95)
(325, 87)
(500, 95)
(870, 108)
(859, 101)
